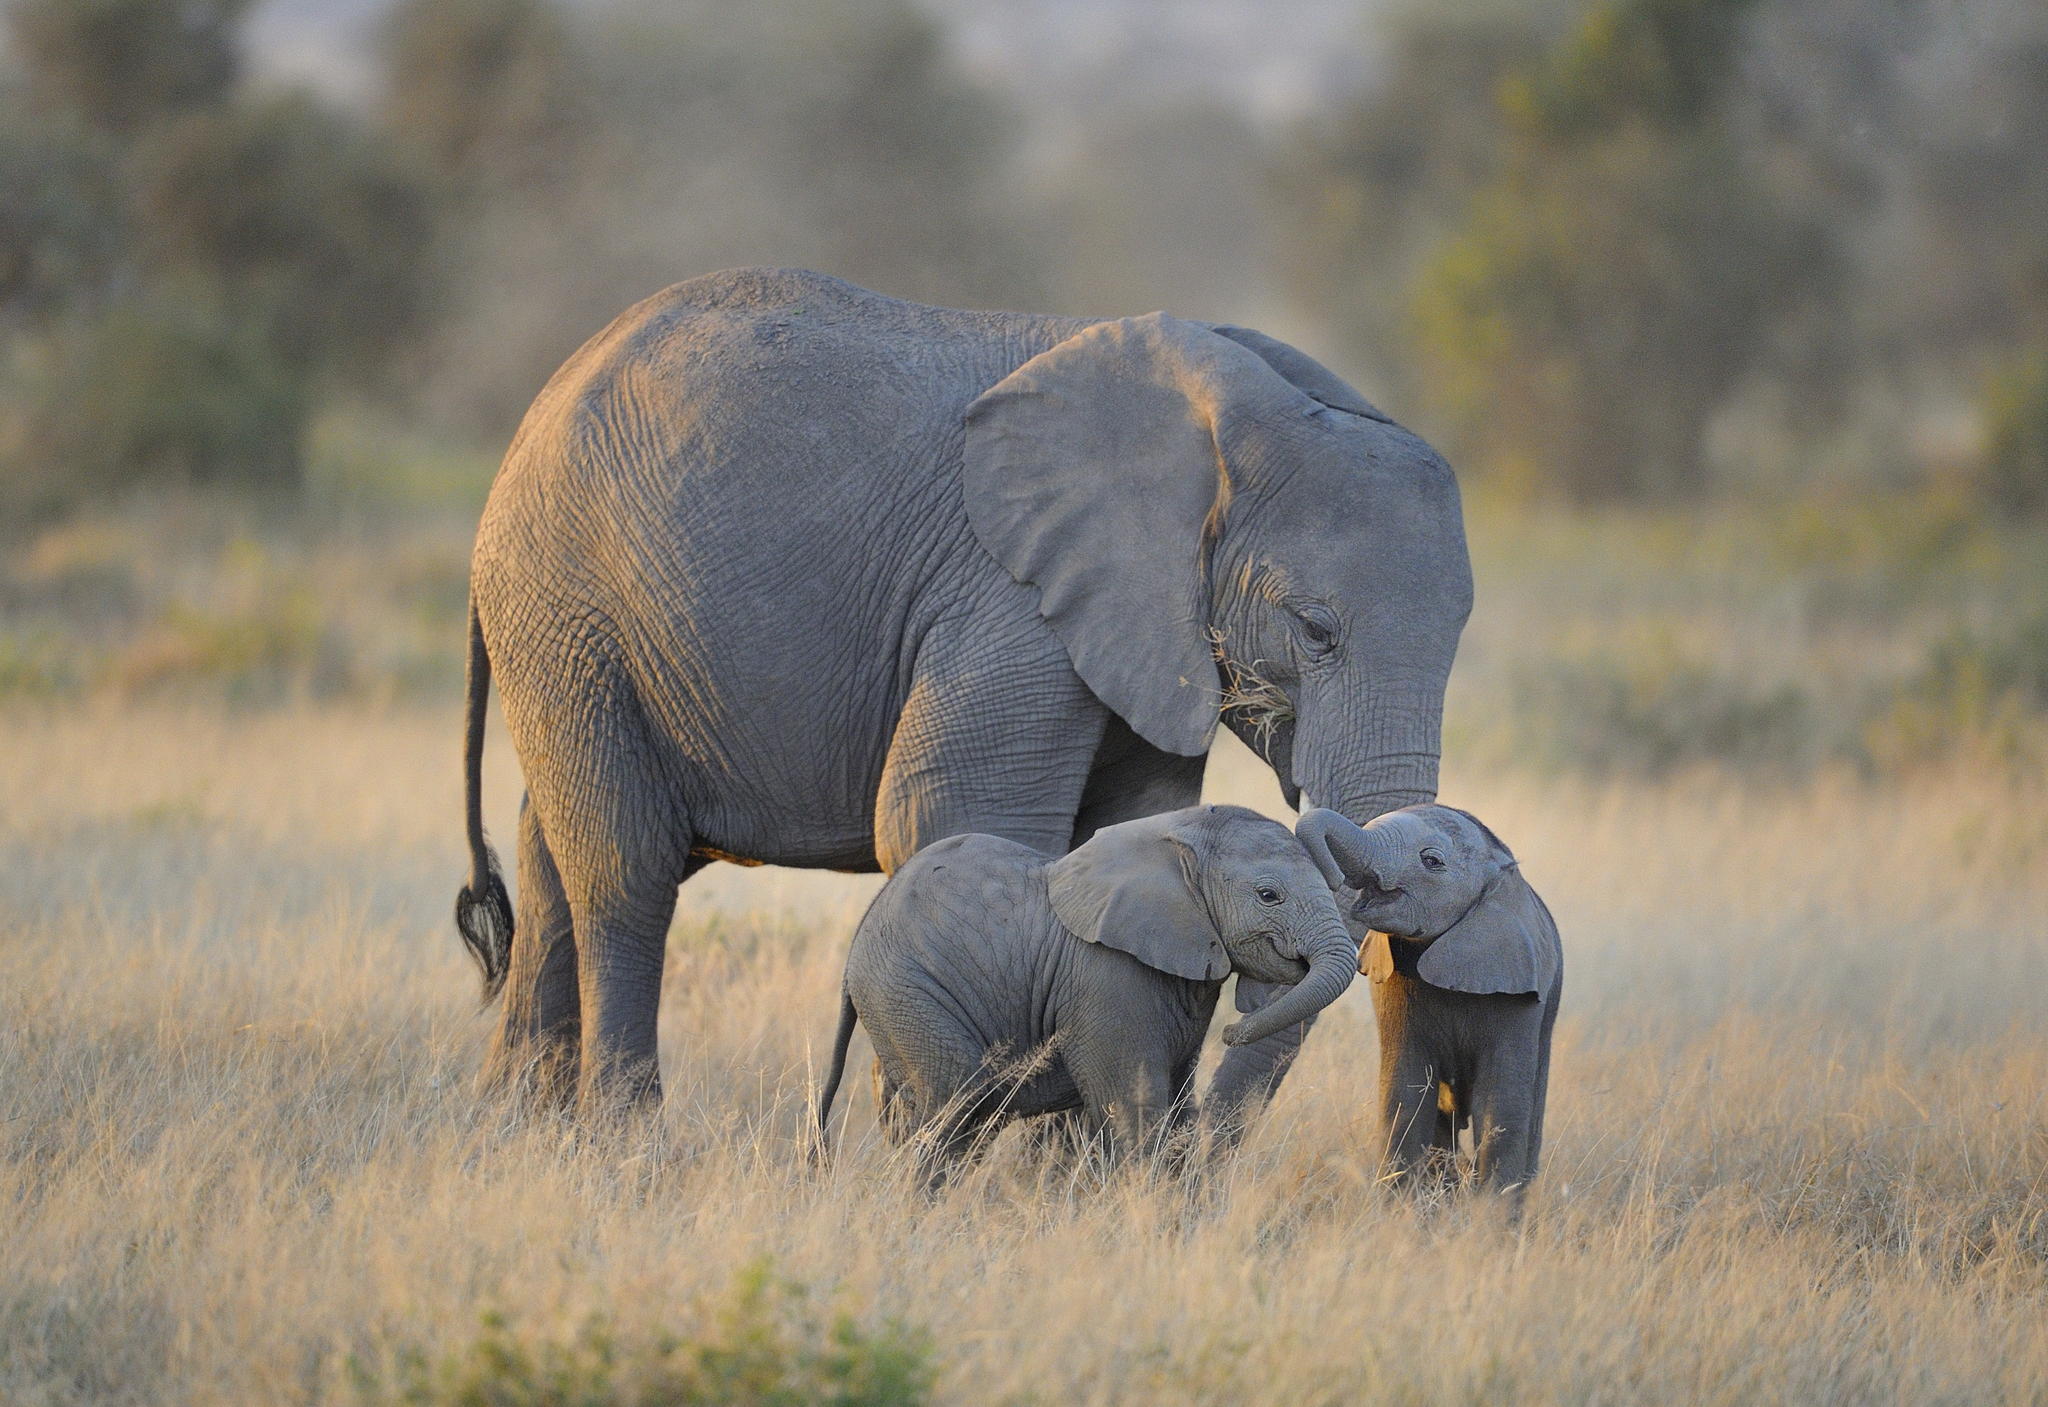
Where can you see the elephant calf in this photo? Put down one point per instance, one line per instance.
(1466, 972)
(1103, 964)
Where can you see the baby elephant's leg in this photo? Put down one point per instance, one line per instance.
(1128, 1088)
(1421, 1134)
(892, 1110)
(938, 1092)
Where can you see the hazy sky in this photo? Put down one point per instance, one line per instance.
(1059, 59)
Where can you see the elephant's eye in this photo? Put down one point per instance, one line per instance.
(1433, 860)
(1318, 628)
(1268, 894)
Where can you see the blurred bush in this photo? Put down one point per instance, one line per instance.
(186, 270)
(1649, 707)
(167, 389)
(126, 64)
(1979, 692)
(1628, 249)
(2015, 474)
(305, 226)
(1651, 710)
(765, 1345)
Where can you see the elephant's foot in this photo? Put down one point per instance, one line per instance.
(623, 1090)
(538, 1075)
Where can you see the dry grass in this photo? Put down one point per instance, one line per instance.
(1798, 1146)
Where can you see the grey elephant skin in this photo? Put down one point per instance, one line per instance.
(997, 982)
(1467, 972)
(779, 570)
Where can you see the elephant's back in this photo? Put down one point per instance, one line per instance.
(702, 379)
(978, 885)
(764, 436)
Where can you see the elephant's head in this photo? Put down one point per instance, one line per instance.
(1435, 875)
(1216, 524)
(1206, 891)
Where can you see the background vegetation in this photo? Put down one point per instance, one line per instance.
(1734, 319)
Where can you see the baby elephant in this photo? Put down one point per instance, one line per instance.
(1466, 972)
(1104, 964)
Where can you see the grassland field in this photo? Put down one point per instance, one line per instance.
(1780, 778)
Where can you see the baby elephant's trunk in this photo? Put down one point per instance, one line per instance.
(1333, 962)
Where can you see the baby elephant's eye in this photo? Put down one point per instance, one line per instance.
(1433, 860)
(1268, 894)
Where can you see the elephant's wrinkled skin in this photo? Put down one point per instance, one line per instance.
(780, 570)
(1467, 972)
(996, 981)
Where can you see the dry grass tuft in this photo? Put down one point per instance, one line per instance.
(1798, 1141)
(1249, 699)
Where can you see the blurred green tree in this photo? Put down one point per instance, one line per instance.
(1552, 229)
(1983, 187)
(494, 93)
(1623, 271)
(1373, 191)
(2014, 476)
(901, 163)
(675, 139)
(160, 388)
(124, 64)
(63, 219)
(305, 224)
(185, 269)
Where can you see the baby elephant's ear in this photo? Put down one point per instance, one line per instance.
(1507, 943)
(1376, 956)
(1134, 887)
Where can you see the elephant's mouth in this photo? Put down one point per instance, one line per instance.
(1373, 895)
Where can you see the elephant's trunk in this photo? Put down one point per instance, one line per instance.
(1333, 964)
(1370, 746)
(1345, 852)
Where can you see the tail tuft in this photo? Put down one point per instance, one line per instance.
(485, 922)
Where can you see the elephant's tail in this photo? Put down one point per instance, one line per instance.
(840, 1042)
(483, 910)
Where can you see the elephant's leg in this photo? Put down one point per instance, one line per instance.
(931, 1080)
(621, 947)
(891, 1110)
(951, 1138)
(1124, 1071)
(1420, 1139)
(1249, 1075)
(1542, 1089)
(621, 844)
(1130, 779)
(996, 736)
(1141, 1116)
(959, 1096)
(1507, 1100)
(1420, 1134)
(538, 1031)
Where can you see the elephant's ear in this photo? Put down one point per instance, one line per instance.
(1093, 473)
(1376, 956)
(1307, 375)
(1506, 942)
(1134, 887)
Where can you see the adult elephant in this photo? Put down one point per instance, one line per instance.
(778, 570)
